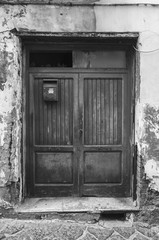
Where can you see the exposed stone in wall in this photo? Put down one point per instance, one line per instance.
(151, 137)
(152, 173)
(150, 143)
(149, 170)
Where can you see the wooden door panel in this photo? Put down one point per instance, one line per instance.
(102, 111)
(54, 120)
(105, 158)
(53, 142)
(53, 168)
(102, 167)
(109, 190)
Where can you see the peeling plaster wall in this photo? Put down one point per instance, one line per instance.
(10, 112)
(94, 18)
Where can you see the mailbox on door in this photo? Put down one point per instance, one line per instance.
(50, 90)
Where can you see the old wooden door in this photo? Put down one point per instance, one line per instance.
(79, 144)
(104, 101)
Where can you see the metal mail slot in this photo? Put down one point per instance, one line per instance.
(50, 90)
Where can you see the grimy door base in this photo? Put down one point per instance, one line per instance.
(78, 130)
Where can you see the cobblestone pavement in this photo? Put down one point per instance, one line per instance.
(12, 229)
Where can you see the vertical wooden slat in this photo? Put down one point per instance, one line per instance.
(31, 131)
(54, 129)
(111, 111)
(90, 107)
(37, 111)
(86, 116)
(102, 113)
(115, 112)
(75, 91)
(62, 125)
(45, 118)
(66, 113)
(71, 101)
(94, 111)
(98, 111)
(58, 110)
(107, 111)
(49, 123)
(80, 154)
(41, 116)
(119, 111)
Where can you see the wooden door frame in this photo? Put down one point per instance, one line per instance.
(131, 67)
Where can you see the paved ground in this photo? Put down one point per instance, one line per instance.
(13, 229)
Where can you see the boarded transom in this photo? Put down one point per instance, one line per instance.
(78, 59)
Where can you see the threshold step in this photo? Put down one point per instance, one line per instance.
(77, 204)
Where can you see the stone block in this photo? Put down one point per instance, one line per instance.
(140, 237)
(70, 232)
(100, 234)
(155, 216)
(156, 237)
(146, 231)
(126, 232)
(117, 237)
(155, 230)
(88, 237)
(12, 229)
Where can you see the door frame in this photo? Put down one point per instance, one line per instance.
(131, 70)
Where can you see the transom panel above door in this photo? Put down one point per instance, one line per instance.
(79, 134)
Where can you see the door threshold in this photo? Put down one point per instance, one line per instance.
(76, 204)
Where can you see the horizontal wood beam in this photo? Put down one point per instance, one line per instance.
(26, 33)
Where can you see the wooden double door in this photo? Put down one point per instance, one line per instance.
(79, 144)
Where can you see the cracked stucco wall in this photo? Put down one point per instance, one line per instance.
(143, 19)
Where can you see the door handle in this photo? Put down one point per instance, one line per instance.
(81, 131)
